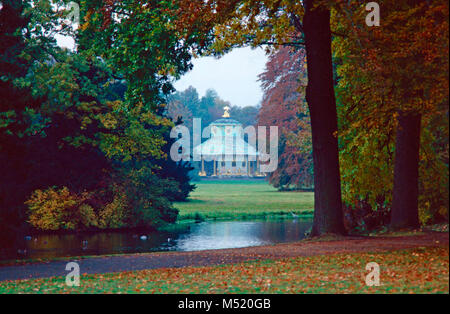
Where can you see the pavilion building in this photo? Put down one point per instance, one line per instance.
(226, 153)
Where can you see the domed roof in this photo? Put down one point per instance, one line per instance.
(225, 121)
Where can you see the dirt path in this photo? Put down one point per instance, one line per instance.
(226, 256)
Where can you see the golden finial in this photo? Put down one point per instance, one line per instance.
(226, 113)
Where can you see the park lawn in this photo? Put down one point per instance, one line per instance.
(419, 270)
(242, 199)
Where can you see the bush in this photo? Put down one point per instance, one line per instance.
(132, 197)
(87, 215)
(115, 214)
(199, 217)
(361, 217)
(55, 209)
(147, 195)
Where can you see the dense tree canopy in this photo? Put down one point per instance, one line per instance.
(384, 72)
(84, 134)
(79, 138)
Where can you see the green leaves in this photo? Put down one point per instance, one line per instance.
(142, 45)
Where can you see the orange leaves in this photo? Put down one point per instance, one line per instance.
(404, 60)
(284, 105)
(419, 270)
(401, 65)
(55, 209)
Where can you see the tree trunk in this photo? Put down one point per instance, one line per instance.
(405, 213)
(328, 216)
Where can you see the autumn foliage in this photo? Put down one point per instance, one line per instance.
(96, 119)
(400, 67)
(284, 105)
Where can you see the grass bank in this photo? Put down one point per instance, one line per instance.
(419, 270)
(242, 199)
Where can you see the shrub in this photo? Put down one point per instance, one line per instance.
(116, 213)
(361, 217)
(147, 196)
(199, 217)
(87, 215)
(55, 209)
(133, 197)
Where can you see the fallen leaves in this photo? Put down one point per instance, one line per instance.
(420, 270)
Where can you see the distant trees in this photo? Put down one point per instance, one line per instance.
(188, 105)
(246, 115)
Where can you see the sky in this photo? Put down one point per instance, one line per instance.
(233, 76)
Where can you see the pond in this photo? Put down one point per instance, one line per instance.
(189, 237)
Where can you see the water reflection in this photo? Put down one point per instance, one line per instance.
(221, 235)
(202, 236)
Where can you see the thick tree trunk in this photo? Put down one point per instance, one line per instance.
(328, 217)
(405, 213)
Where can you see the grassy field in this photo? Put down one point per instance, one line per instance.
(233, 199)
(420, 270)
